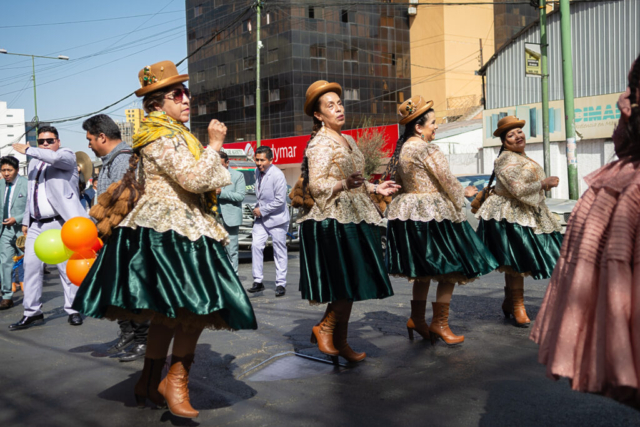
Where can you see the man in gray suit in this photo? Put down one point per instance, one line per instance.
(13, 188)
(52, 199)
(230, 201)
(271, 219)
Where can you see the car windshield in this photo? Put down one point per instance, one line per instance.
(249, 178)
(478, 181)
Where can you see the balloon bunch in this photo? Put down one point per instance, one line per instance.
(77, 243)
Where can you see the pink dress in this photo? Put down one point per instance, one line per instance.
(588, 327)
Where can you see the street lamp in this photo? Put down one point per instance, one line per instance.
(33, 66)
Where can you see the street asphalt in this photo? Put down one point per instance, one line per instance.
(60, 375)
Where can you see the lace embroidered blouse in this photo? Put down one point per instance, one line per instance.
(174, 183)
(429, 189)
(329, 163)
(519, 197)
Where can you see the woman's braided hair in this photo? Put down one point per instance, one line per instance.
(118, 201)
(629, 136)
(409, 131)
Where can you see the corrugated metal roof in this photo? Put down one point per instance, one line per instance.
(605, 41)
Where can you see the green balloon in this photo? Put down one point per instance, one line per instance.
(50, 249)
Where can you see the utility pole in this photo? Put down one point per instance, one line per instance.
(33, 67)
(569, 113)
(258, 46)
(545, 90)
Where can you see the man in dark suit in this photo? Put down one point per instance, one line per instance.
(13, 189)
(52, 199)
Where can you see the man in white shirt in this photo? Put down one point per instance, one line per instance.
(52, 199)
(13, 189)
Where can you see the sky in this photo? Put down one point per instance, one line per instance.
(105, 56)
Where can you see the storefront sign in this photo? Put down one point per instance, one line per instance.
(596, 117)
(291, 150)
(532, 55)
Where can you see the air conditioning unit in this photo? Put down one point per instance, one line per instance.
(412, 11)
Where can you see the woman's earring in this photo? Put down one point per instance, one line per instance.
(422, 137)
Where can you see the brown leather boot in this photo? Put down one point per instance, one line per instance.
(174, 388)
(322, 334)
(147, 385)
(340, 338)
(440, 325)
(519, 312)
(417, 320)
(507, 304)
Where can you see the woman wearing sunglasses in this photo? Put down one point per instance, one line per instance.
(165, 261)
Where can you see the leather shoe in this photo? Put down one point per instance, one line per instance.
(6, 304)
(257, 287)
(75, 319)
(124, 342)
(27, 322)
(280, 291)
(136, 352)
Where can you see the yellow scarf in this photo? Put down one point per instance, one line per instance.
(156, 125)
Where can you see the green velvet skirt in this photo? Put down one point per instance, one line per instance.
(519, 250)
(443, 251)
(341, 262)
(142, 274)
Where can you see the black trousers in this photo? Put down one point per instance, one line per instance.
(139, 330)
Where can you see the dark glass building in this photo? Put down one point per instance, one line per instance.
(510, 19)
(365, 48)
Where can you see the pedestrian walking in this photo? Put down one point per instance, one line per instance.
(52, 199)
(340, 246)
(14, 188)
(105, 140)
(271, 220)
(165, 260)
(588, 324)
(515, 223)
(428, 236)
(230, 200)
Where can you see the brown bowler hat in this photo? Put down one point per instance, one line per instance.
(507, 123)
(413, 108)
(315, 91)
(159, 75)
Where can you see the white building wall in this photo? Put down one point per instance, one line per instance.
(12, 130)
(592, 155)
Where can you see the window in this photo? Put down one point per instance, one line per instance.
(350, 54)
(202, 109)
(317, 51)
(352, 95)
(10, 135)
(197, 11)
(222, 70)
(274, 95)
(249, 63)
(9, 126)
(268, 18)
(9, 115)
(217, 3)
(312, 13)
(388, 96)
(386, 21)
(246, 26)
(249, 100)
(222, 106)
(345, 15)
(200, 76)
(272, 55)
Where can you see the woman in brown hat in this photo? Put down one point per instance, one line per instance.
(340, 254)
(515, 223)
(428, 236)
(165, 259)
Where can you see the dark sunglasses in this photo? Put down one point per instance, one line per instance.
(47, 140)
(178, 94)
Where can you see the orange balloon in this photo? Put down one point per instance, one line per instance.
(78, 267)
(86, 253)
(79, 233)
(99, 244)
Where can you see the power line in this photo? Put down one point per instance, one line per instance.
(47, 24)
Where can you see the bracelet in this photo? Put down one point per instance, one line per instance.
(344, 185)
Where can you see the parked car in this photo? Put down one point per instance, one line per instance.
(561, 208)
(248, 169)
